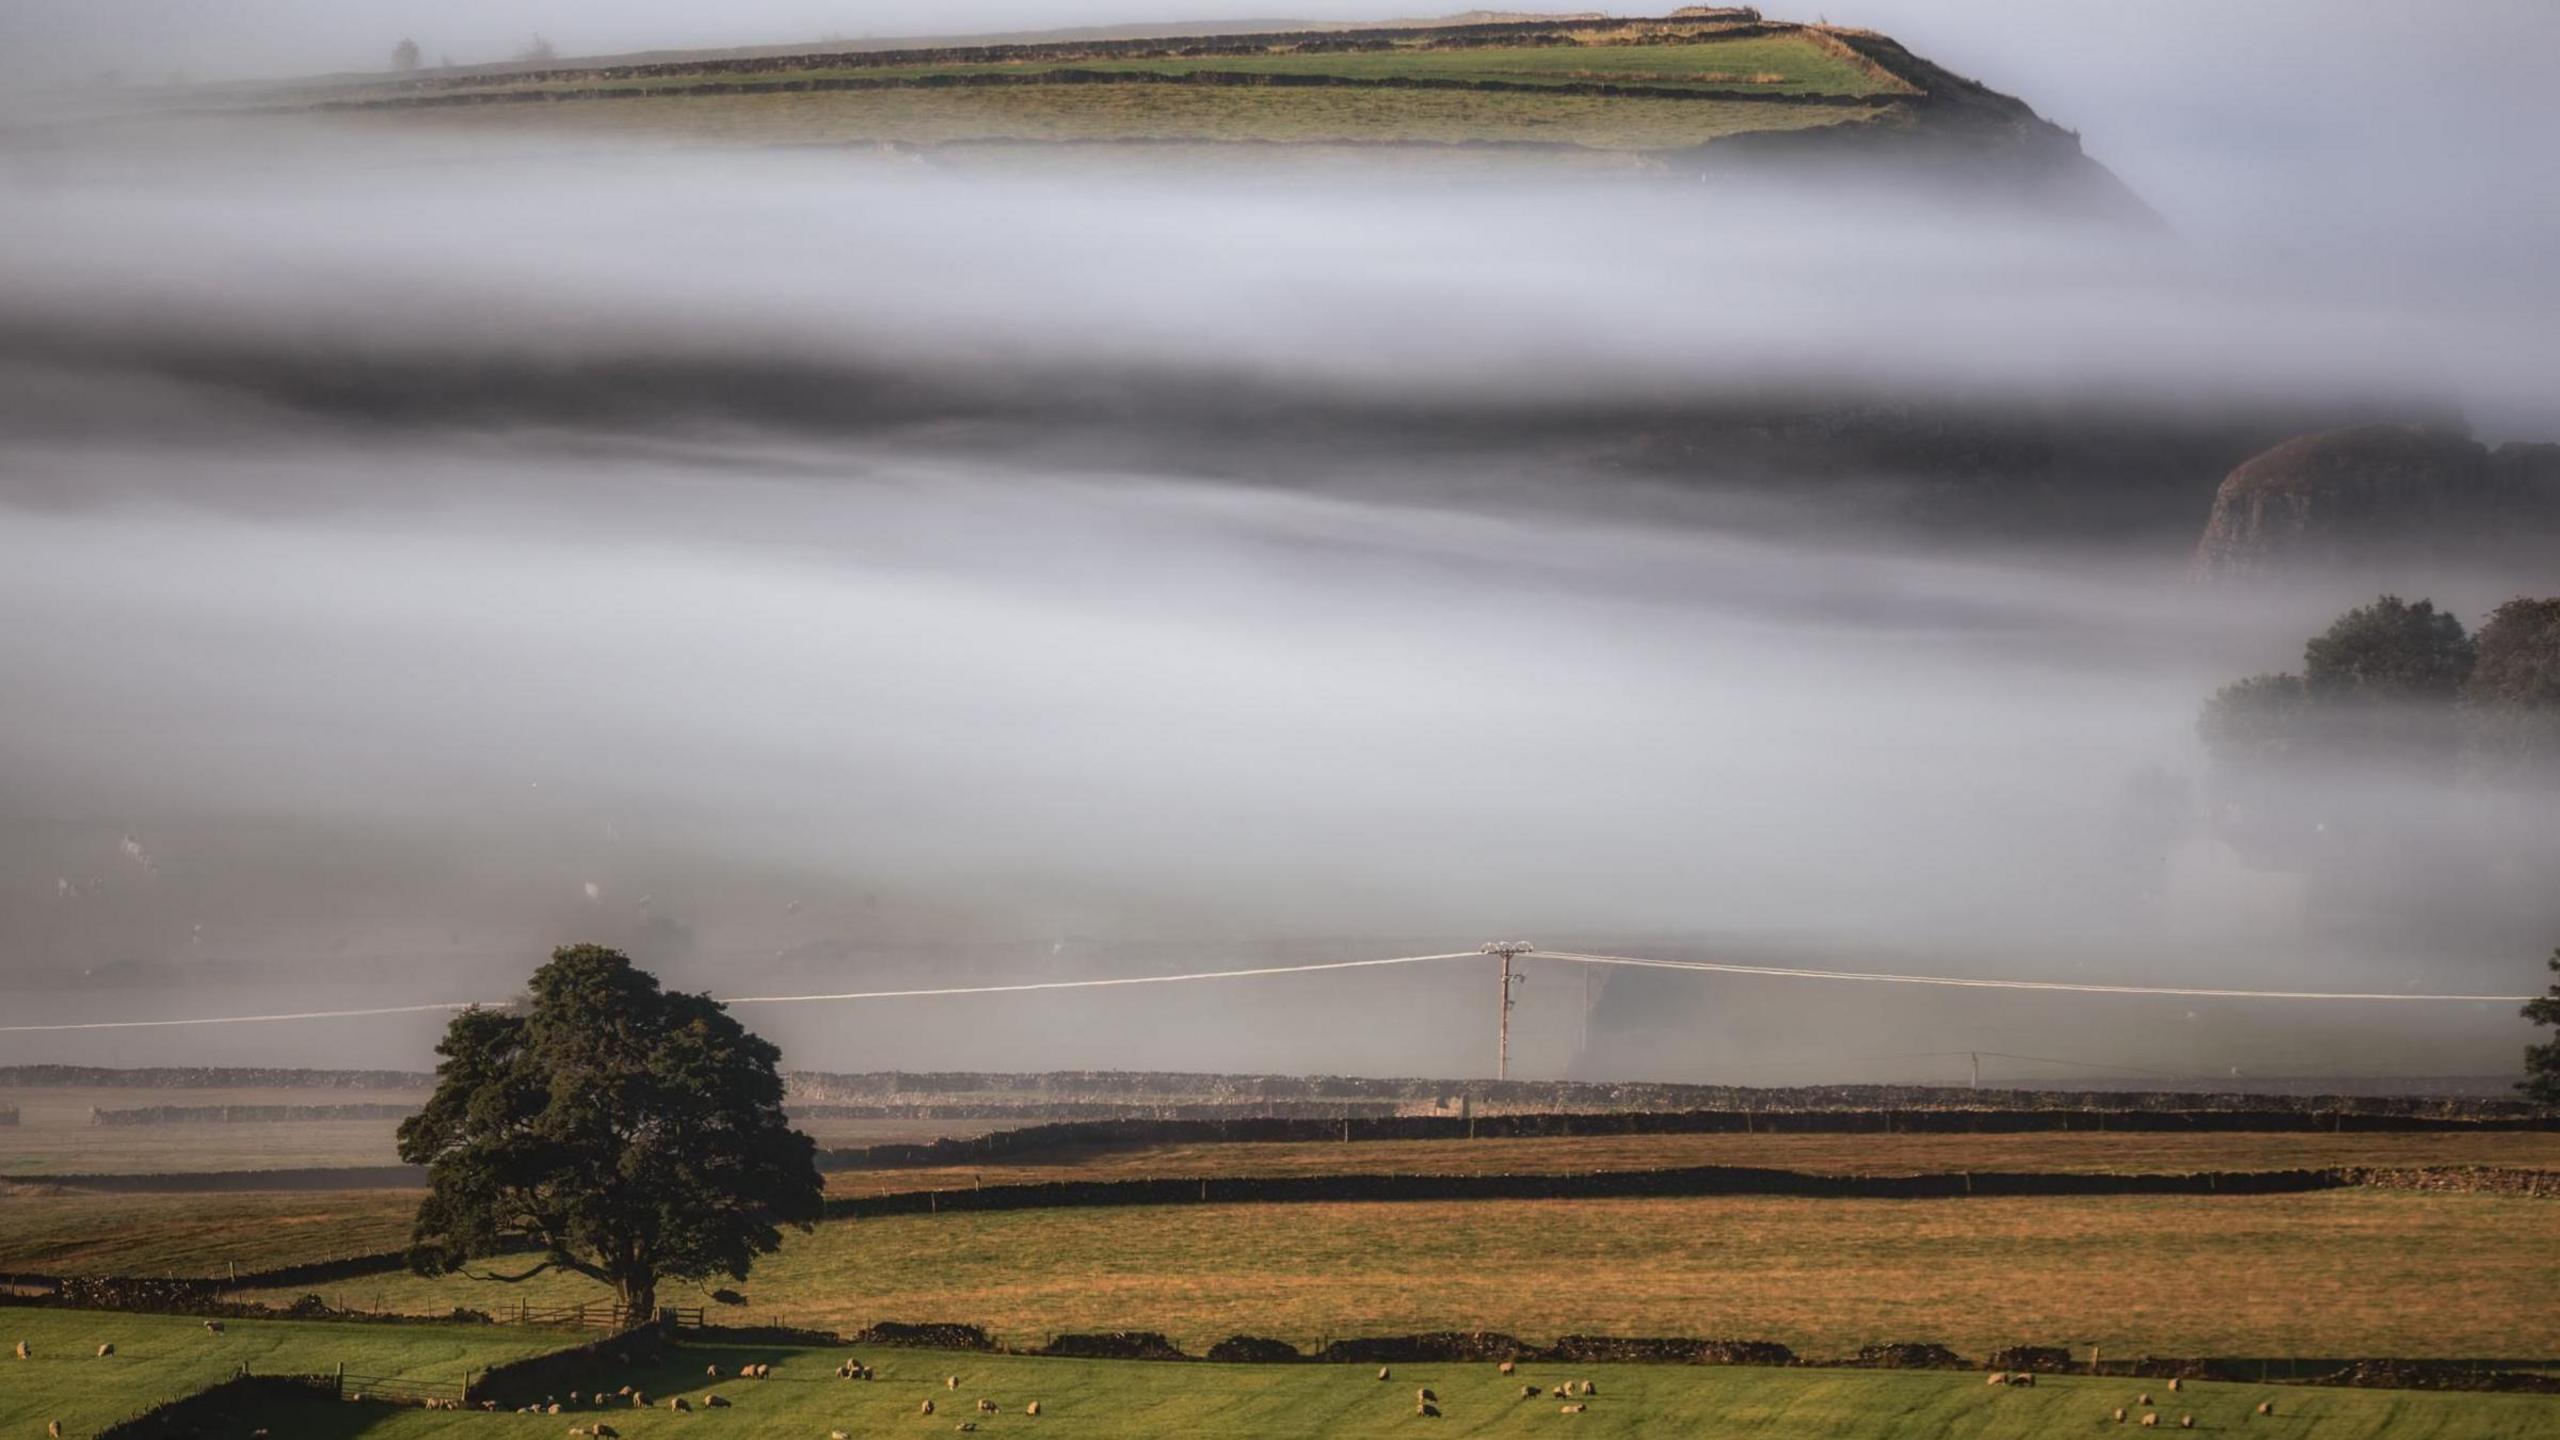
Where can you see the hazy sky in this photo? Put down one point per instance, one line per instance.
(418, 565)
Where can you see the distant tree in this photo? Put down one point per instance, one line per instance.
(537, 51)
(2512, 701)
(404, 56)
(2257, 720)
(2391, 651)
(632, 1134)
(2541, 1081)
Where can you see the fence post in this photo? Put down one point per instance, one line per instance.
(342, 1379)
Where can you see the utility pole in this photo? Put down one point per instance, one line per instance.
(1977, 1068)
(1505, 951)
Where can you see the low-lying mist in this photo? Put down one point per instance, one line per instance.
(820, 571)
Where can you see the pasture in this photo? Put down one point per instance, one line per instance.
(1125, 1398)
(2339, 1273)
(161, 1357)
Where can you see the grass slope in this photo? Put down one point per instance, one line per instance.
(2334, 1274)
(197, 1235)
(1122, 1399)
(161, 1357)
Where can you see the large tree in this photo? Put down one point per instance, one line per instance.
(2513, 697)
(2542, 1062)
(632, 1134)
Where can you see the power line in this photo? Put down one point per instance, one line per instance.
(776, 999)
(1969, 982)
(1698, 966)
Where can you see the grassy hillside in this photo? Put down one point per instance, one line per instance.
(1617, 85)
(161, 1357)
(1120, 1399)
(2330, 1274)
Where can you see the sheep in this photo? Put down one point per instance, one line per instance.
(213, 1327)
(1528, 1392)
(925, 1409)
(1504, 1368)
(838, 1435)
(2024, 1377)
(1561, 1392)
(2142, 1399)
(2150, 1420)
(2176, 1384)
(1426, 1409)
(2266, 1407)
(677, 1404)
(53, 1428)
(1998, 1377)
(1424, 1394)
(715, 1401)
(1589, 1389)
(22, 1351)
(2186, 1422)
(966, 1426)
(551, 1409)
(577, 1430)
(712, 1372)
(1031, 1409)
(491, 1406)
(1571, 1409)
(2119, 1414)
(1383, 1373)
(106, 1350)
(625, 1390)
(986, 1406)
(639, 1401)
(602, 1431)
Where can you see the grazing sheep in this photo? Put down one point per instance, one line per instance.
(2266, 1407)
(2176, 1384)
(966, 1426)
(1997, 1377)
(1505, 1367)
(712, 1372)
(551, 1409)
(1427, 1409)
(2142, 1399)
(639, 1401)
(715, 1401)
(986, 1406)
(1528, 1392)
(22, 1350)
(53, 1428)
(1590, 1389)
(1383, 1374)
(602, 1431)
(625, 1390)
(213, 1327)
(2186, 1422)
(2119, 1414)
(678, 1404)
(106, 1350)
(838, 1435)
(844, 1372)
(950, 1382)
(1424, 1394)
(925, 1409)
(2150, 1420)
(1561, 1392)
(577, 1430)
(1031, 1409)
(1571, 1409)
(2024, 1377)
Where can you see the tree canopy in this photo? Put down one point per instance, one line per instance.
(2542, 1062)
(631, 1134)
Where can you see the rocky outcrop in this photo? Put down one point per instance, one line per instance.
(2379, 493)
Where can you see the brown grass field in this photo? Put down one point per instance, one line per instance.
(2332, 1274)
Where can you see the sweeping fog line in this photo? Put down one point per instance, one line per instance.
(1704, 966)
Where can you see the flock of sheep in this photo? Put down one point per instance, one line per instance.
(2150, 1418)
(1575, 1394)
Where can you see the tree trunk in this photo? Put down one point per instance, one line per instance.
(639, 1296)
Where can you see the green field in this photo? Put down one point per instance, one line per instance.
(2329, 1274)
(1165, 114)
(161, 1357)
(1135, 1398)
